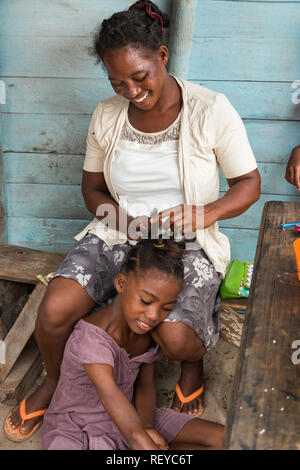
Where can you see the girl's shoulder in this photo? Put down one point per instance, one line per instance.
(91, 344)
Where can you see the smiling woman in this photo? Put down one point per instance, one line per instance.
(153, 152)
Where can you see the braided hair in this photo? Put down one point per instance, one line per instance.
(141, 26)
(165, 256)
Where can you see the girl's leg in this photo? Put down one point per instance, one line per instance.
(179, 342)
(199, 434)
(193, 326)
(64, 303)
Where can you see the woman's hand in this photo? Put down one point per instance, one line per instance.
(185, 219)
(139, 228)
(157, 438)
(292, 173)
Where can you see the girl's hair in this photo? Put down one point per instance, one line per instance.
(141, 26)
(165, 256)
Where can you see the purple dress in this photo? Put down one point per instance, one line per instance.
(76, 418)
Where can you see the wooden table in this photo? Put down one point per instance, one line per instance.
(264, 410)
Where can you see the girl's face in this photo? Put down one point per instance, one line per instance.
(146, 299)
(137, 75)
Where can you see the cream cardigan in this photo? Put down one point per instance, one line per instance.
(212, 136)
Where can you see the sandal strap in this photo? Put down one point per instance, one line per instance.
(26, 416)
(190, 397)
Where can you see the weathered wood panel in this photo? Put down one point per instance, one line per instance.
(271, 141)
(60, 18)
(260, 100)
(42, 168)
(244, 59)
(52, 235)
(211, 58)
(253, 100)
(54, 95)
(46, 200)
(264, 408)
(243, 18)
(33, 168)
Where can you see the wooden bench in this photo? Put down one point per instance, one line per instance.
(264, 409)
(20, 295)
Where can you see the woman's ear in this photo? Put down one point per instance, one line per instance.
(120, 282)
(163, 53)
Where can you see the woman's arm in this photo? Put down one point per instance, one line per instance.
(292, 173)
(243, 192)
(119, 408)
(95, 193)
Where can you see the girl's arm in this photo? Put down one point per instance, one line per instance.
(292, 173)
(119, 408)
(145, 395)
(145, 402)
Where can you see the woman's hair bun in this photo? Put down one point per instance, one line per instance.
(154, 9)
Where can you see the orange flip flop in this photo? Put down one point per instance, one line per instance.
(14, 434)
(189, 398)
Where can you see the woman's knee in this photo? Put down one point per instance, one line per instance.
(62, 307)
(179, 342)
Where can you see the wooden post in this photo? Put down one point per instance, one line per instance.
(181, 35)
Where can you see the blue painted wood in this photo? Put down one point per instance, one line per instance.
(53, 18)
(181, 35)
(271, 141)
(53, 235)
(260, 100)
(54, 95)
(252, 217)
(33, 168)
(45, 133)
(66, 202)
(240, 58)
(46, 201)
(255, 100)
(242, 243)
(220, 18)
(211, 58)
(272, 180)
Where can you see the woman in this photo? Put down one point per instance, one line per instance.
(155, 146)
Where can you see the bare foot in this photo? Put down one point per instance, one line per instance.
(191, 379)
(38, 400)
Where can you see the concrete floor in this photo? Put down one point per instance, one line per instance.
(219, 367)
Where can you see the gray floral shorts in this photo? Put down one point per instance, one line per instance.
(94, 265)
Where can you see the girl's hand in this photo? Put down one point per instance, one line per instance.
(157, 438)
(292, 173)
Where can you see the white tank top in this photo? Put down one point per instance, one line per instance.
(145, 171)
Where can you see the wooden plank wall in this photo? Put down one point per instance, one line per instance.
(52, 88)
(250, 51)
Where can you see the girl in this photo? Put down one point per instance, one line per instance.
(157, 144)
(111, 350)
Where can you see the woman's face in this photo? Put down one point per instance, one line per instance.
(146, 299)
(137, 75)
